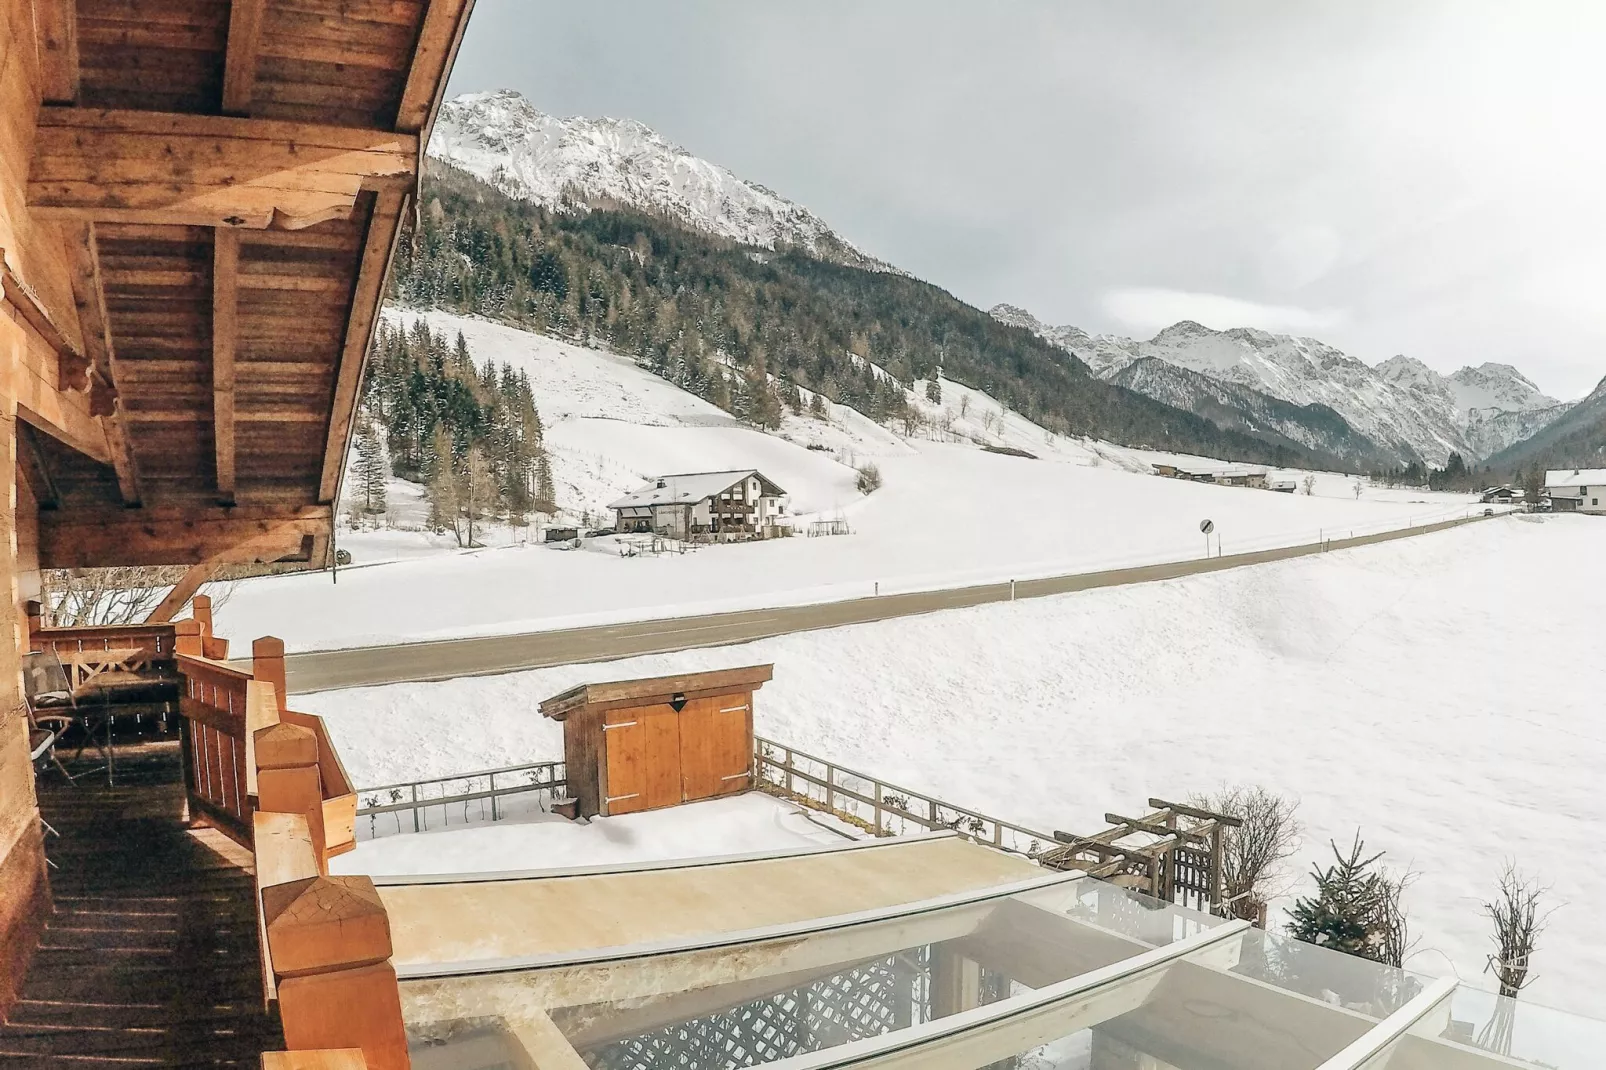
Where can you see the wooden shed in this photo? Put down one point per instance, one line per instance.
(644, 744)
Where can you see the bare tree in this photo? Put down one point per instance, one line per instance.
(1255, 850)
(1392, 921)
(1309, 483)
(82, 597)
(1518, 921)
(1357, 490)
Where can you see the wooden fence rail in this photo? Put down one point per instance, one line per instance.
(879, 807)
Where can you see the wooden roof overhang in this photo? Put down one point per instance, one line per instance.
(656, 690)
(223, 183)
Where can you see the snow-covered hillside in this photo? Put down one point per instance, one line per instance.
(1389, 689)
(949, 513)
(503, 139)
(1402, 405)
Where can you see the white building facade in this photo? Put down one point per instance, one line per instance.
(718, 505)
(1581, 490)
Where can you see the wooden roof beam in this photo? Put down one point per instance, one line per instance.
(57, 25)
(438, 38)
(89, 294)
(225, 330)
(384, 226)
(208, 170)
(93, 538)
(240, 60)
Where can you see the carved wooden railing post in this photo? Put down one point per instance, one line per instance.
(267, 665)
(323, 1059)
(329, 938)
(201, 610)
(287, 780)
(187, 638)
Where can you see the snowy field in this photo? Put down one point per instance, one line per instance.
(948, 514)
(1441, 694)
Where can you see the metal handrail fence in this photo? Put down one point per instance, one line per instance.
(878, 807)
(464, 798)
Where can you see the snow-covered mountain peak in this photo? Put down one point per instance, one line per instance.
(503, 139)
(1499, 387)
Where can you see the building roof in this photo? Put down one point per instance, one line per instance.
(1224, 472)
(690, 487)
(1582, 477)
(654, 689)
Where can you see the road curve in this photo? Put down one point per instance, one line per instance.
(443, 659)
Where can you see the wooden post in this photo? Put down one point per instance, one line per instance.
(267, 664)
(35, 611)
(201, 610)
(187, 638)
(288, 781)
(329, 938)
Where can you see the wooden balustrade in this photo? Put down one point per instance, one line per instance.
(218, 772)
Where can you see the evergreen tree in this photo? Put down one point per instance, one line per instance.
(1347, 912)
(934, 390)
(370, 469)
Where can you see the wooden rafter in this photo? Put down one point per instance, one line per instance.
(262, 549)
(89, 294)
(438, 39)
(57, 26)
(172, 535)
(383, 227)
(225, 331)
(208, 170)
(240, 60)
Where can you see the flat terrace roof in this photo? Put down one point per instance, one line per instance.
(1042, 966)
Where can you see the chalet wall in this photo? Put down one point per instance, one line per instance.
(37, 259)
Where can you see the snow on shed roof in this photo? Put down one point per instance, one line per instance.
(692, 487)
(1582, 477)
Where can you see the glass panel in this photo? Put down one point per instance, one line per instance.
(1356, 984)
(1526, 1031)
(756, 1003)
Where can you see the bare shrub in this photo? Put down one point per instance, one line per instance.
(1518, 921)
(1255, 851)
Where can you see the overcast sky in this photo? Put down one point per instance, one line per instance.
(1393, 177)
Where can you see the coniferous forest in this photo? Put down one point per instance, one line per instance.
(471, 434)
(744, 327)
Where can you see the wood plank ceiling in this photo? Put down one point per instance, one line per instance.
(229, 180)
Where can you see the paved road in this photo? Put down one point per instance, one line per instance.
(443, 659)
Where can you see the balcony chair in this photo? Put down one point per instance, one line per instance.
(54, 707)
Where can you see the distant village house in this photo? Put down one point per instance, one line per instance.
(1579, 490)
(722, 506)
(1226, 477)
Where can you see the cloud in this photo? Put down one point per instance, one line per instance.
(1150, 309)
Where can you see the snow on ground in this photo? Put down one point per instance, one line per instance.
(1440, 693)
(948, 514)
(741, 824)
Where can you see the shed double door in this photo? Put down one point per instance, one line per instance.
(657, 757)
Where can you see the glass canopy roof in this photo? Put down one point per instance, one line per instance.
(1055, 973)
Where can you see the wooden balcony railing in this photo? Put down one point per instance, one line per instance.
(271, 778)
(215, 733)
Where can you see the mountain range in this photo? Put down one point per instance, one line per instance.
(1280, 389)
(1403, 408)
